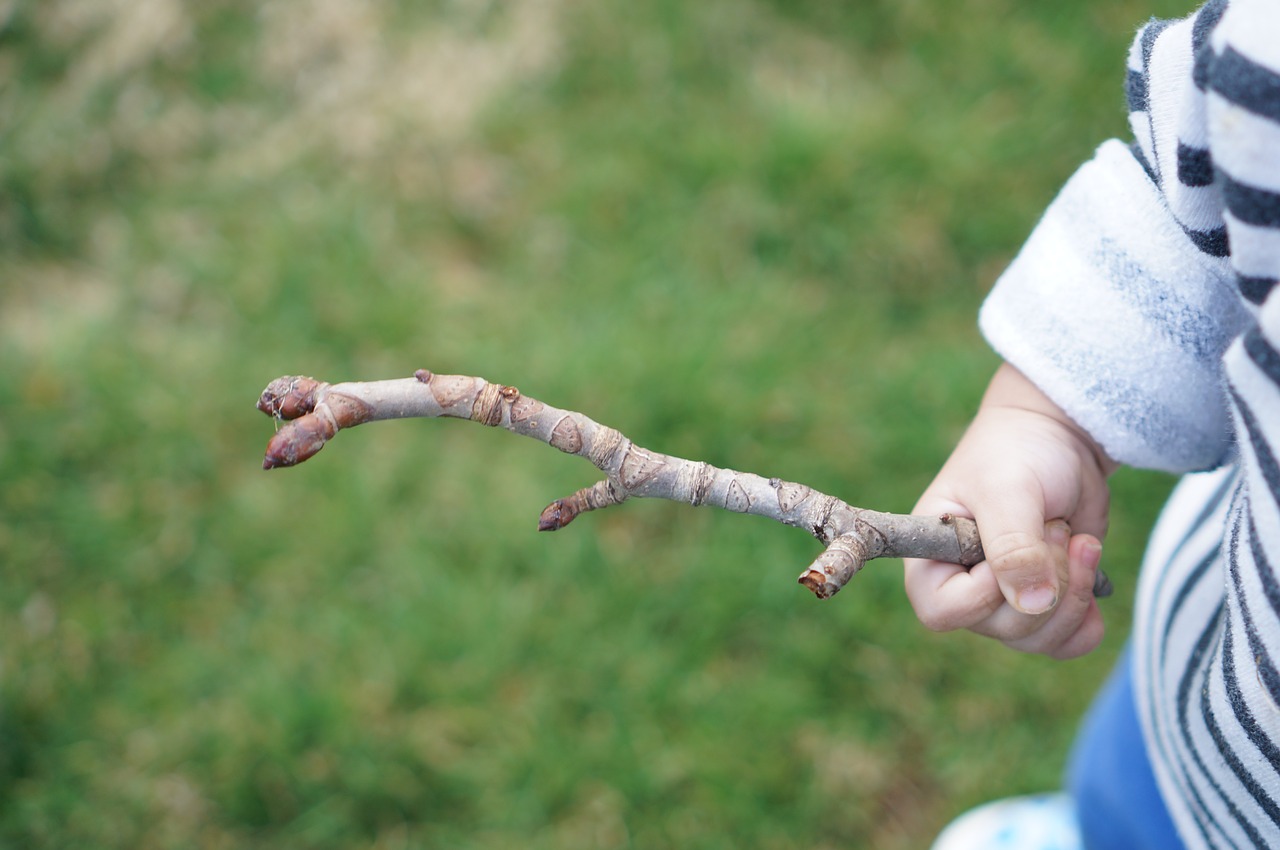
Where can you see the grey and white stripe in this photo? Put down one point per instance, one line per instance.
(1209, 616)
(1189, 278)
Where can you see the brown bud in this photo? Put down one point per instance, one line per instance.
(297, 441)
(289, 397)
(556, 515)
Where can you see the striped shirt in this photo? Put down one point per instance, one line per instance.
(1143, 304)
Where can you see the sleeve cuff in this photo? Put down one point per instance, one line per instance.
(1114, 314)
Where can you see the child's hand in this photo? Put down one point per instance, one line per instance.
(1036, 485)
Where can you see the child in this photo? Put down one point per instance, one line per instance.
(1138, 327)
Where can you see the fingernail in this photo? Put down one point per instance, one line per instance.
(1058, 533)
(1091, 554)
(1037, 600)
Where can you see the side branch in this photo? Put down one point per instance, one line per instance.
(317, 411)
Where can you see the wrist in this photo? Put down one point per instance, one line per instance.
(1010, 389)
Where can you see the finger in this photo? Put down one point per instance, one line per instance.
(1032, 632)
(948, 597)
(1075, 627)
(1087, 637)
(1085, 554)
(1014, 539)
(1091, 515)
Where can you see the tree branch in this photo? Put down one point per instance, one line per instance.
(852, 536)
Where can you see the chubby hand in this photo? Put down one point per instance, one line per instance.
(1036, 485)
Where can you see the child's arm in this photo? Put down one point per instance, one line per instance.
(1036, 485)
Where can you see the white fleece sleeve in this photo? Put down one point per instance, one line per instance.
(1114, 313)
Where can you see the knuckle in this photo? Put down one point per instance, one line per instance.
(1016, 630)
(960, 615)
(1080, 591)
(1019, 632)
(1086, 640)
(1014, 552)
(936, 620)
(1024, 627)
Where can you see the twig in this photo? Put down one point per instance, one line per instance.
(853, 536)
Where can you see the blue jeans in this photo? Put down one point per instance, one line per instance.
(1110, 777)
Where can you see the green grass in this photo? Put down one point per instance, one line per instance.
(750, 232)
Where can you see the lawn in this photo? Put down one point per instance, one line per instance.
(752, 232)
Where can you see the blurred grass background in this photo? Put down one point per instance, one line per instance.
(754, 232)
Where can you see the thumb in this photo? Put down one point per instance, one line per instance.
(1023, 553)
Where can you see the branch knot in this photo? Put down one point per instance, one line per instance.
(487, 408)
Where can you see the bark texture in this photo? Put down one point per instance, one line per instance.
(316, 411)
